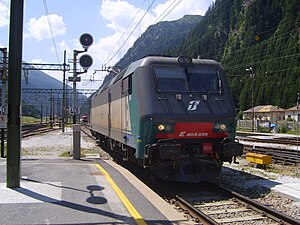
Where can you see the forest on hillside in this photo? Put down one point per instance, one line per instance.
(160, 37)
(263, 35)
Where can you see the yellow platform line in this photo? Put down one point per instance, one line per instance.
(134, 213)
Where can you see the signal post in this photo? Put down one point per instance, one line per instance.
(86, 40)
(85, 61)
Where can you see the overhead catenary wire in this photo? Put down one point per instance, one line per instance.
(50, 28)
(161, 17)
(208, 54)
(137, 12)
(149, 7)
(278, 37)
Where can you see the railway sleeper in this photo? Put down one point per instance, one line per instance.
(240, 219)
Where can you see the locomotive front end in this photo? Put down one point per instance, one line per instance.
(191, 129)
(191, 151)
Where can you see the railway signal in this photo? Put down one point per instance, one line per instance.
(86, 40)
(85, 61)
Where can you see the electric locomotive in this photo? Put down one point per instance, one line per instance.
(175, 116)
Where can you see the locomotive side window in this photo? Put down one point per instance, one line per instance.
(170, 78)
(204, 80)
(127, 85)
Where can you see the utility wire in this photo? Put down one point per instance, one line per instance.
(158, 18)
(132, 31)
(51, 30)
(261, 44)
(125, 30)
(161, 16)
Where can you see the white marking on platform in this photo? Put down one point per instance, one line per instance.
(31, 192)
(291, 189)
(1, 164)
(92, 156)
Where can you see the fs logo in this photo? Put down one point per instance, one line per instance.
(193, 105)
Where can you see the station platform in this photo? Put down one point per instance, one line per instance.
(89, 192)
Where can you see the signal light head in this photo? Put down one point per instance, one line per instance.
(86, 40)
(85, 61)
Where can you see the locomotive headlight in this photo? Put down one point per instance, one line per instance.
(223, 127)
(220, 127)
(165, 127)
(161, 127)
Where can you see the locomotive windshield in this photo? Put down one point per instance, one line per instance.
(192, 79)
(171, 79)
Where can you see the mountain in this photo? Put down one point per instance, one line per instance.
(263, 35)
(37, 102)
(39, 79)
(241, 34)
(159, 38)
(36, 94)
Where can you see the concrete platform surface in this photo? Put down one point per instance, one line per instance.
(67, 191)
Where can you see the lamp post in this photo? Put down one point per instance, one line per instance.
(252, 75)
(298, 117)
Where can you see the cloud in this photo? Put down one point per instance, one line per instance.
(117, 18)
(118, 21)
(184, 7)
(123, 37)
(4, 12)
(39, 28)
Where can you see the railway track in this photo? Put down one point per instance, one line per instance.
(216, 205)
(276, 140)
(285, 154)
(32, 129)
(279, 156)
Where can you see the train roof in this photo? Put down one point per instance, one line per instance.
(148, 61)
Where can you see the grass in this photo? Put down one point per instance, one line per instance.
(30, 119)
(292, 171)
(65, 154)
(83, 152)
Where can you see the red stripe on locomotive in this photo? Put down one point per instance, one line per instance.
(185, 130)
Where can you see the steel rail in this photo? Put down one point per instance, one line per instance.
(274, 213)
(254, 205)
(285, 156)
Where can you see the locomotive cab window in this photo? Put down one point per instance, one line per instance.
(170, 79)
(204, 80)
(193, 79)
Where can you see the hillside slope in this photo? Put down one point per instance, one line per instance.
(160, 37)
(263, 35)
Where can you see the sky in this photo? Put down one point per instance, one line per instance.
(52, 26)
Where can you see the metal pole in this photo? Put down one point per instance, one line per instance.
(298, 117)
(41, 112)
(14, 94)
(252, 97)
(74, 86)
(4, 78)
(51, 109)
(64, 95)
